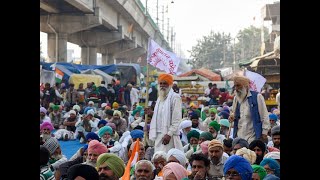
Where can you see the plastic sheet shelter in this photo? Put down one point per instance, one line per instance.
(76, 79)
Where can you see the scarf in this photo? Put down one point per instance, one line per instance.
(164, 124)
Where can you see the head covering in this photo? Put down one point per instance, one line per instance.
(113, 162)
(219, 109)
(260, 170)
(214, 110)
(51, 144)
(273, 149)
(194, 116)
(224, 114)
(271, 177)
(46, 125)
(247, 154)
(72, 112)
(166, 77)
(83, 170)
(273, 155)
(103, 105)
(193, 133)
(224, 122)
(42, 109)
(273, 164)
(85, 147)
(129, 85)
(185, 124)
(215, 125)
(107, 108)
(134, 112)
(244, 81)
(242, 142)
(92, 136)
(215, 143)
(103, 130)
(76, 107)
(257, 143)
(97, 147)
(117, 112)
(240, 164)
(178, 154)
(55, 107)
(206, 135)
(204, 147)
(115, 105)
(91, 102)
(87, 109)
(137, 133)
(102, 121)
(175, 82)
(153, 84)
(273, 117)
(275, 129)
(112, 125)
(177, 169)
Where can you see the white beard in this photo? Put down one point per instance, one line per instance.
(91, 163)
(45, 136)
(57, 156)
(163, 92)
(241, 94)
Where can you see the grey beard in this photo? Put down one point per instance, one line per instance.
(163, 93)
(57, 156)
(241, 94)
(105, 141)
(45, 137)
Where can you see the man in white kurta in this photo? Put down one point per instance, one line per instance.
(164, 127)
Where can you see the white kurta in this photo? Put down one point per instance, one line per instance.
(245, 124)
(167, 116)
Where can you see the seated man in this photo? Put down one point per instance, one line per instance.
(237, 167)
(105, 134)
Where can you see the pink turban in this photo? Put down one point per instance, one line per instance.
(96, 147)
(204, 147)
(112, 125)
(177, 169)
(46, 125)
(273, 149)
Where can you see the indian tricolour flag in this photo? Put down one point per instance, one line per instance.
(132, 161)
(59, 75)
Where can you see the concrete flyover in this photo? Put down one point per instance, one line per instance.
(118, 29)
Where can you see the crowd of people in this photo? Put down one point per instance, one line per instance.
(234, 137)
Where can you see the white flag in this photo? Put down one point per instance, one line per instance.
(162, 59)
(256, 80)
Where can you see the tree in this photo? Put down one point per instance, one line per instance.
(249, 42)
(211, 50)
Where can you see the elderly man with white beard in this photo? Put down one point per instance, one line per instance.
(167, 117)
(249, 112)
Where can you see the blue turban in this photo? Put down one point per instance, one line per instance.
(273, 117)
(226, 110)
(102, 121)
(137, 133)
(104, 129)
(87, 109)
(273, 164)
(85, 147)
(92, 136)
(224, 114)
(240, 164)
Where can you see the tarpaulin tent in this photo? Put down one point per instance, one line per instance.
(129, 73)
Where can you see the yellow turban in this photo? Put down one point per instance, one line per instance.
(166, 77)
(241, 80)
(115, 105)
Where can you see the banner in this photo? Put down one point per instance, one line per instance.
(162, 59)
(256, 80)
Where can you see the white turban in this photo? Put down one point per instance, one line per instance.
(103, 105)
(247, 154)
(117, 112)
(219, 109)
(72, 112)
(185, 124)
(42, 109)
(91, 111)
(179, 155)
(91, 102)
(273, 155)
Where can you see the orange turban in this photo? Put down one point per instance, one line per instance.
(166, 77)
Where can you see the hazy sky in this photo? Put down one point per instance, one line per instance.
(193, 19)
